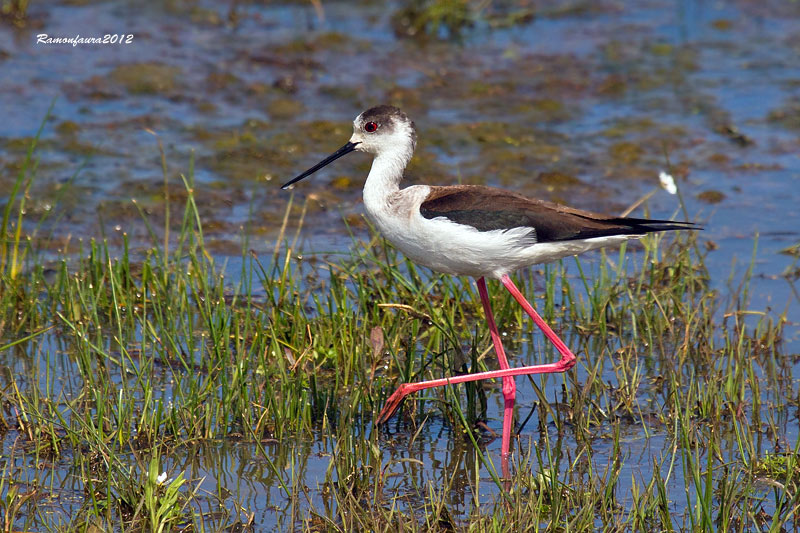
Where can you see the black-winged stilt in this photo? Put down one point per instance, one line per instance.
(477, 231)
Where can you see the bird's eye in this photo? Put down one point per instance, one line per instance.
(370, 127)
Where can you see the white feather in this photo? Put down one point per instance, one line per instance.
(440, 243)
(453, 248)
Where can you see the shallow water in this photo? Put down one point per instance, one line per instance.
(602, 98)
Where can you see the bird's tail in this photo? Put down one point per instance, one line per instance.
(646, 225)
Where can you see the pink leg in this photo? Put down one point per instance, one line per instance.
(509, 387)
(567, 357)
(509, 390)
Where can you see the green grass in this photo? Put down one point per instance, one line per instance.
(123, 364)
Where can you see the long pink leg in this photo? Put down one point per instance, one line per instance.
(567, 357)
(567, 361)
(509, 387)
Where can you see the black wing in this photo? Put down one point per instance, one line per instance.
(487, 209)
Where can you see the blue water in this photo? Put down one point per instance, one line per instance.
(687, 69)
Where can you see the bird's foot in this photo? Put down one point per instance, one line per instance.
(393, 403)
(567, 362)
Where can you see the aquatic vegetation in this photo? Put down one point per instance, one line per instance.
(15, 11)
(211, 356)
(129, 363)
(430, 17)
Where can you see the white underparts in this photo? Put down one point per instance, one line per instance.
(453, 248)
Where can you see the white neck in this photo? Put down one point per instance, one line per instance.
(384, 177)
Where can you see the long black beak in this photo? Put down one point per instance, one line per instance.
(344, 150)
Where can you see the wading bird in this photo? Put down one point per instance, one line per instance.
(471, 230)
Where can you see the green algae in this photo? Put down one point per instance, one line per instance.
(146, 78)
(419, 18)
(284, 108)
(625, 152)
(711, 196)
(217, 81)
(787, 116)
(558, 179)
(67, 127)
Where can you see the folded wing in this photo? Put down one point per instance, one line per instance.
(488, 209)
